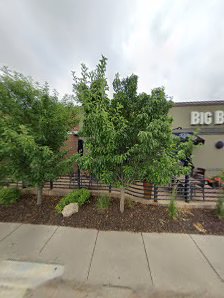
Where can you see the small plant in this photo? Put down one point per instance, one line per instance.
(130, 203)
(172, 208)
(80, 196)
(220, 208)
(103, 202)
(9, 195)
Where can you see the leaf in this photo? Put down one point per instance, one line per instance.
(200, 228)
(129, 137)
(33, 128)
(187, 212)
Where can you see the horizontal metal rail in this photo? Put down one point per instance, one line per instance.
(182, 189)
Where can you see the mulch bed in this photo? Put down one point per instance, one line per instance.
(136, 217)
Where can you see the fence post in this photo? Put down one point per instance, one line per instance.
(155, 193)
(51, 184)
(187, 188)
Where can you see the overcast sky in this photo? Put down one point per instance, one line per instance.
(175, 43)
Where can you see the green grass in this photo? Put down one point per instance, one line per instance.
(172, 208)
(220, 208)
(103, 202)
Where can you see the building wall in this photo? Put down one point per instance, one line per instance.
(204, 156)
(182, 115)
(71, 145)
(208, 156)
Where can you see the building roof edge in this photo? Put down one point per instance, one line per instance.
(199, 103)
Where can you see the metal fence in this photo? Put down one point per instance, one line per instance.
(183, 189)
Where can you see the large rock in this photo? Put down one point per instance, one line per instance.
(70, 209)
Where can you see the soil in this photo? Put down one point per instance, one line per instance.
(137, 217)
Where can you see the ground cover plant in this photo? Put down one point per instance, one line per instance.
(80, 196)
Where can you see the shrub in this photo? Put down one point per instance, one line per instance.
(9, 195)
(84, 196)
(80, 196)
(103, 202)
(172, 208)
(220, 208)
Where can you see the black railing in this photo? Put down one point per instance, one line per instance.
(187, 189)
(183, 189)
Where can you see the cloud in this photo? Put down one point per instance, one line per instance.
(178, 44)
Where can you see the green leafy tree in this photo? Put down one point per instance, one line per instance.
(34, 127)
(129, 137)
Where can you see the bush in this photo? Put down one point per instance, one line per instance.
(220, 208)
(172, 208)
(9, 195)
(103, 202)
(80, 196)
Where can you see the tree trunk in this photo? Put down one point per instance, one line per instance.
(39, 194)
(122, 200)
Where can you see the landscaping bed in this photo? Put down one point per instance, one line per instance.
(137, 217)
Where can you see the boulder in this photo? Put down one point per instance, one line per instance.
(70, 209)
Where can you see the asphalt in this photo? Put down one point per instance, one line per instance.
(51, 261)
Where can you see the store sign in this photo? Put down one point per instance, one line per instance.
(207, 118)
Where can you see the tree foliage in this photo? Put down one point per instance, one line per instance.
(34, 126)
(128, 137)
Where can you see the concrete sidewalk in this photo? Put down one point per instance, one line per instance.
(108, 264)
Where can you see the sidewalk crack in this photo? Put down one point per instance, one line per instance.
(206, 258)
(48, 240)
(11, 232)
(92, 255)
(147, 258)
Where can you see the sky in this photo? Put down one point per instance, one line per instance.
(178, 44)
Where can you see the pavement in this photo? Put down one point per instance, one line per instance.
(51, 261)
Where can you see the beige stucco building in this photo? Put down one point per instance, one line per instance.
(207, 118)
